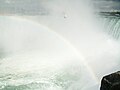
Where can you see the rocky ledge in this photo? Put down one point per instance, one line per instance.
(111, 82)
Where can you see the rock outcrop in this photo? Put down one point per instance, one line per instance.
(111, 82)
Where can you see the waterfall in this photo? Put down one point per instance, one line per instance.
(62, 48)
(112, 26)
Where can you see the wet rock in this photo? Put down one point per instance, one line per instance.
(111, 82)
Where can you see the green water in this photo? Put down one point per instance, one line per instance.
(112, 25)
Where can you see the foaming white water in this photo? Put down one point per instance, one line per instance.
(35, 58)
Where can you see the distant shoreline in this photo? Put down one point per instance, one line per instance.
(116, 13)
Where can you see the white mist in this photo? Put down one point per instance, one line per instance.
(76, 21)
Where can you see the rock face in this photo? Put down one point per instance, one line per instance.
(111, 82)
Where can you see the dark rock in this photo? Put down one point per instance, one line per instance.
(111, 82)
(117, 13)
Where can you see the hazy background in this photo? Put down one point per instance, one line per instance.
(35, 7)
